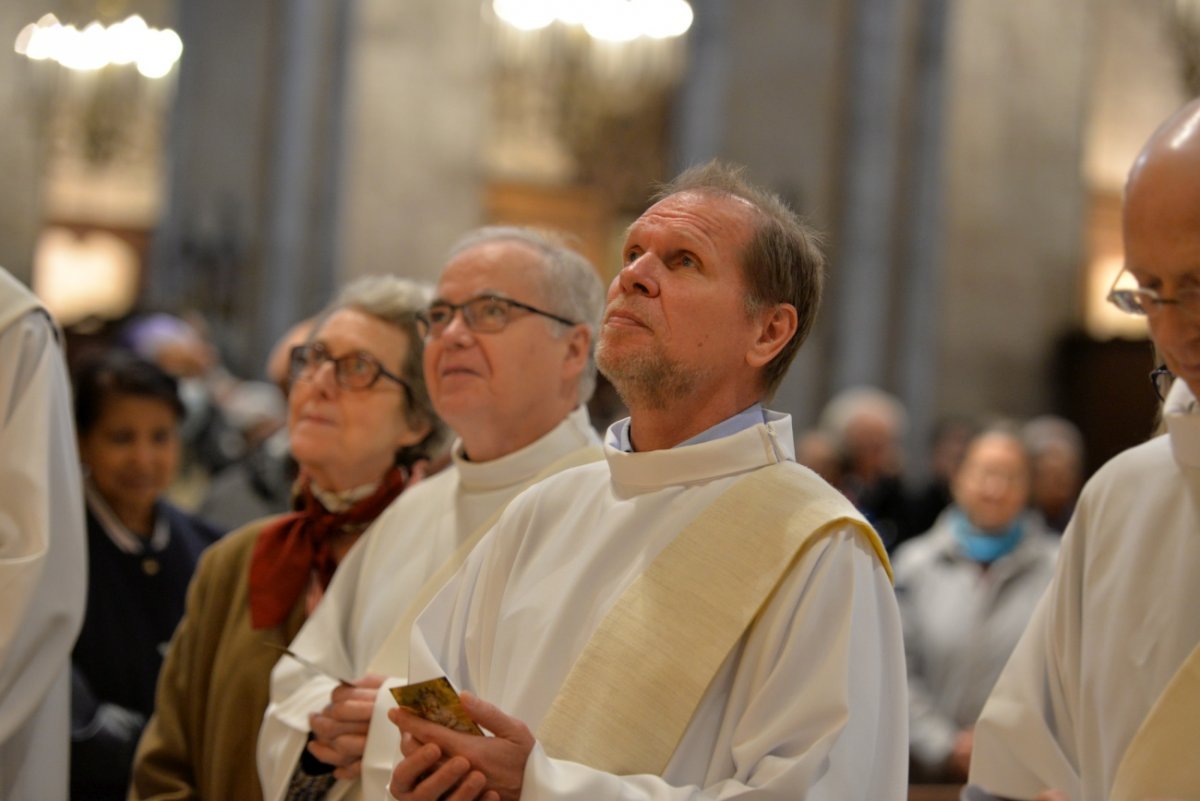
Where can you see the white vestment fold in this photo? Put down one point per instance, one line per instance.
(375, 584)
(1117, 621)
(810, 704)
(43, 551)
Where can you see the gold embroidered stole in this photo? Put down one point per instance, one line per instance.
(633, 689)
(1161, 761)
(394, 651)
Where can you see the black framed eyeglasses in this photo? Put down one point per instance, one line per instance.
(1161, 378)
(353, 371)
(1146, 302)
(485, 313)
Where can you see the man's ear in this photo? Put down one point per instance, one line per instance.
(777, 326)
(579, 344)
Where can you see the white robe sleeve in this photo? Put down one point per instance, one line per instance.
(1025, 739)
(43, 556)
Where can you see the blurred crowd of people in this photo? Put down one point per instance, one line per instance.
(857, 446)
(973, 546)
(219, 523)
(163, 426)
(175, 452)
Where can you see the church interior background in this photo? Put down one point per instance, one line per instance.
(964, 158)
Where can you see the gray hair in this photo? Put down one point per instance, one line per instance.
(1007, 429)
(857, 401)
(397, 301)
(1048, 431)
(569, 284)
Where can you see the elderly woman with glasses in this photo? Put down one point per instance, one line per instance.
(359, 415)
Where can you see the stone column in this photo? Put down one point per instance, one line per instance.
(863, 280)
(255, 145)
(920, 231)
(22, 156)
(417, 122)
(1014, 211)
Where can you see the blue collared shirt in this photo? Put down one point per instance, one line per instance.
(618, 433)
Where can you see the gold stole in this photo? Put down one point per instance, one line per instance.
(394, 650)
(1161, 760)
(633, 690)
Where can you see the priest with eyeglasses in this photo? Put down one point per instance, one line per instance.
(1101, 698)
(508, 360)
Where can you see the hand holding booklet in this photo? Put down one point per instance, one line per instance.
(436, 701)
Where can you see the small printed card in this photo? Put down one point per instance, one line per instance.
(436, 701)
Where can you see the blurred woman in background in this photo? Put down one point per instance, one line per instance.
(967, 589)
(359, 415)
(141, 554)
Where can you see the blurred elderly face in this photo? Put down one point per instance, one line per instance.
(992, 484)
(870, 442)
(347, 438)
(132, 455)
(1057, 477)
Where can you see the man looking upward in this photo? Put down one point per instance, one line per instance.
(697, 616)
(508, 363)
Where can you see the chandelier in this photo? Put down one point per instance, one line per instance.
(608, 20)
(620, 44)
(98, 96)
(581, 89)
(130, 41)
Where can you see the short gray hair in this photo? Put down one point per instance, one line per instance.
(1048, 431)
(569, 284)
(397, 301)
(853, 402)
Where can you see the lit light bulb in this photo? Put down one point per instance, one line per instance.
(81, 50)
(612, 21)
(664, 19)
(160, 55)
(42, 40)
(527, 15)
(21, 46)
(572, 12)
(125, 39)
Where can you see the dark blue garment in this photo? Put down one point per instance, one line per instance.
(134, 603)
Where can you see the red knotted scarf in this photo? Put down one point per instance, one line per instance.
(295, 545)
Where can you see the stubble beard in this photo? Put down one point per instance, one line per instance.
(646, 379)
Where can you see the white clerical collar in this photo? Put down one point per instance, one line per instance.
(1183, 424)
(573, 433)
(618, 432)
(119, 533)
(335, 501)
(767, 441)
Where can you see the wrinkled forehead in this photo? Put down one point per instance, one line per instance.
(508, 268)
(705, 216)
